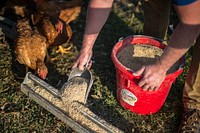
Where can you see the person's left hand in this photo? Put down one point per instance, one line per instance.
(152, 76)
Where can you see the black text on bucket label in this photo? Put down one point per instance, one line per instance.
(128, 97)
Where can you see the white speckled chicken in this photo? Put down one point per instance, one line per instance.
(31, 48)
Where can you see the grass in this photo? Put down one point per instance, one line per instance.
(18, 113)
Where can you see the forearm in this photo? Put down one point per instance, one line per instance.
(98, 12)
(181, 40)
(184, 35)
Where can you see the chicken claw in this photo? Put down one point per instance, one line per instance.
(64, 50)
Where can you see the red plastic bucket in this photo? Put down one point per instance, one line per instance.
(129, 94)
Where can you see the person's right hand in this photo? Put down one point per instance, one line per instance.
(152, 76)
(82, 59)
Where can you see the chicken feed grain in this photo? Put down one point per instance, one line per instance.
(71, 102)
(135, 56)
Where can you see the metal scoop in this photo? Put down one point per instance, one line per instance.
(85, 75)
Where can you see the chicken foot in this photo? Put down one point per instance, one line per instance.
(64, 50)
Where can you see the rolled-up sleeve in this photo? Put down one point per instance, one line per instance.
(183, 2)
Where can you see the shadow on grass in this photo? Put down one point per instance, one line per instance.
(103, 69)
(107, 107)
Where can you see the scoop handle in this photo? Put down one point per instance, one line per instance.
(87, 63)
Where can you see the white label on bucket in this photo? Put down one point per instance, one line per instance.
(128, 97)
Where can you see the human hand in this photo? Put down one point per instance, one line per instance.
(152, 76)
(82, 59)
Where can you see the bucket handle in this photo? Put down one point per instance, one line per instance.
(132, 36)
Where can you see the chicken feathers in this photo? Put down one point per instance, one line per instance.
(31, 48)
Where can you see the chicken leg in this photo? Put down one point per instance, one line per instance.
(66, 50)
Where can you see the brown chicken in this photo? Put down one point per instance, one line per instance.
(17, 9)
(53, 20)
(71, 13)
(55, 7)
(31, 48)
(54, 30)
